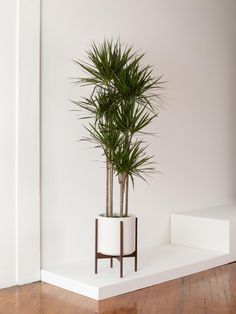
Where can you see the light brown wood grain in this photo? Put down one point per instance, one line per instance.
(208, 292)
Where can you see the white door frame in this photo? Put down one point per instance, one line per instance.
(28, 142)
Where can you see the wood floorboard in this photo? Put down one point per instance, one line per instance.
(208, 292)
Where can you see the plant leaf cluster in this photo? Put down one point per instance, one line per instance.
(125, 99)
(121, 104)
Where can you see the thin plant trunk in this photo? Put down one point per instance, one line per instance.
(110, 190)
(107, 187)
(122, 182)
(126, 196)
(121, 199)
(128, 142)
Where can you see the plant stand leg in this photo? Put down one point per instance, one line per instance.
(111, 262)
(136, 245)
(96, 246)
(121, 249)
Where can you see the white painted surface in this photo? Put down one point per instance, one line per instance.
(19, 142)
(28, 142)
(199, 232)
(7, 142)
(225, 212)
(156, 265)
(210, 228)
(193, 44)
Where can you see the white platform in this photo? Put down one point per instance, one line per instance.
(204, 238)
(156, 264)
(211, 228)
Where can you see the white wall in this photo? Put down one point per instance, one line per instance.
(193, 44)
(7, 142)
(19, 142)
(28, 142)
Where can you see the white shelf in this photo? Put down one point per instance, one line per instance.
(156, 265)
(200, 240)
(211, 228)
(226, 212)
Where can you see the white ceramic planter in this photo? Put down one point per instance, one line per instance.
(109, 235)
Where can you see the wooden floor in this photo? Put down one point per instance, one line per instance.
(208, 292)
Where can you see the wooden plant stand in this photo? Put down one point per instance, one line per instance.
(121, 255)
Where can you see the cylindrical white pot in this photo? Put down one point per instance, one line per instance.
(109, 235)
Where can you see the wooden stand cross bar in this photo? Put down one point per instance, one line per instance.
(121, 255)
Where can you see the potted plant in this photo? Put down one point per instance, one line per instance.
(124, 99)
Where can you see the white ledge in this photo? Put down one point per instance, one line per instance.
(156, 265)
(201, 239)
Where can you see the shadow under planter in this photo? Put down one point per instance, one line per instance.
(99, 255)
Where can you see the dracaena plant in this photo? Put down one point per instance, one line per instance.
(125, 98)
